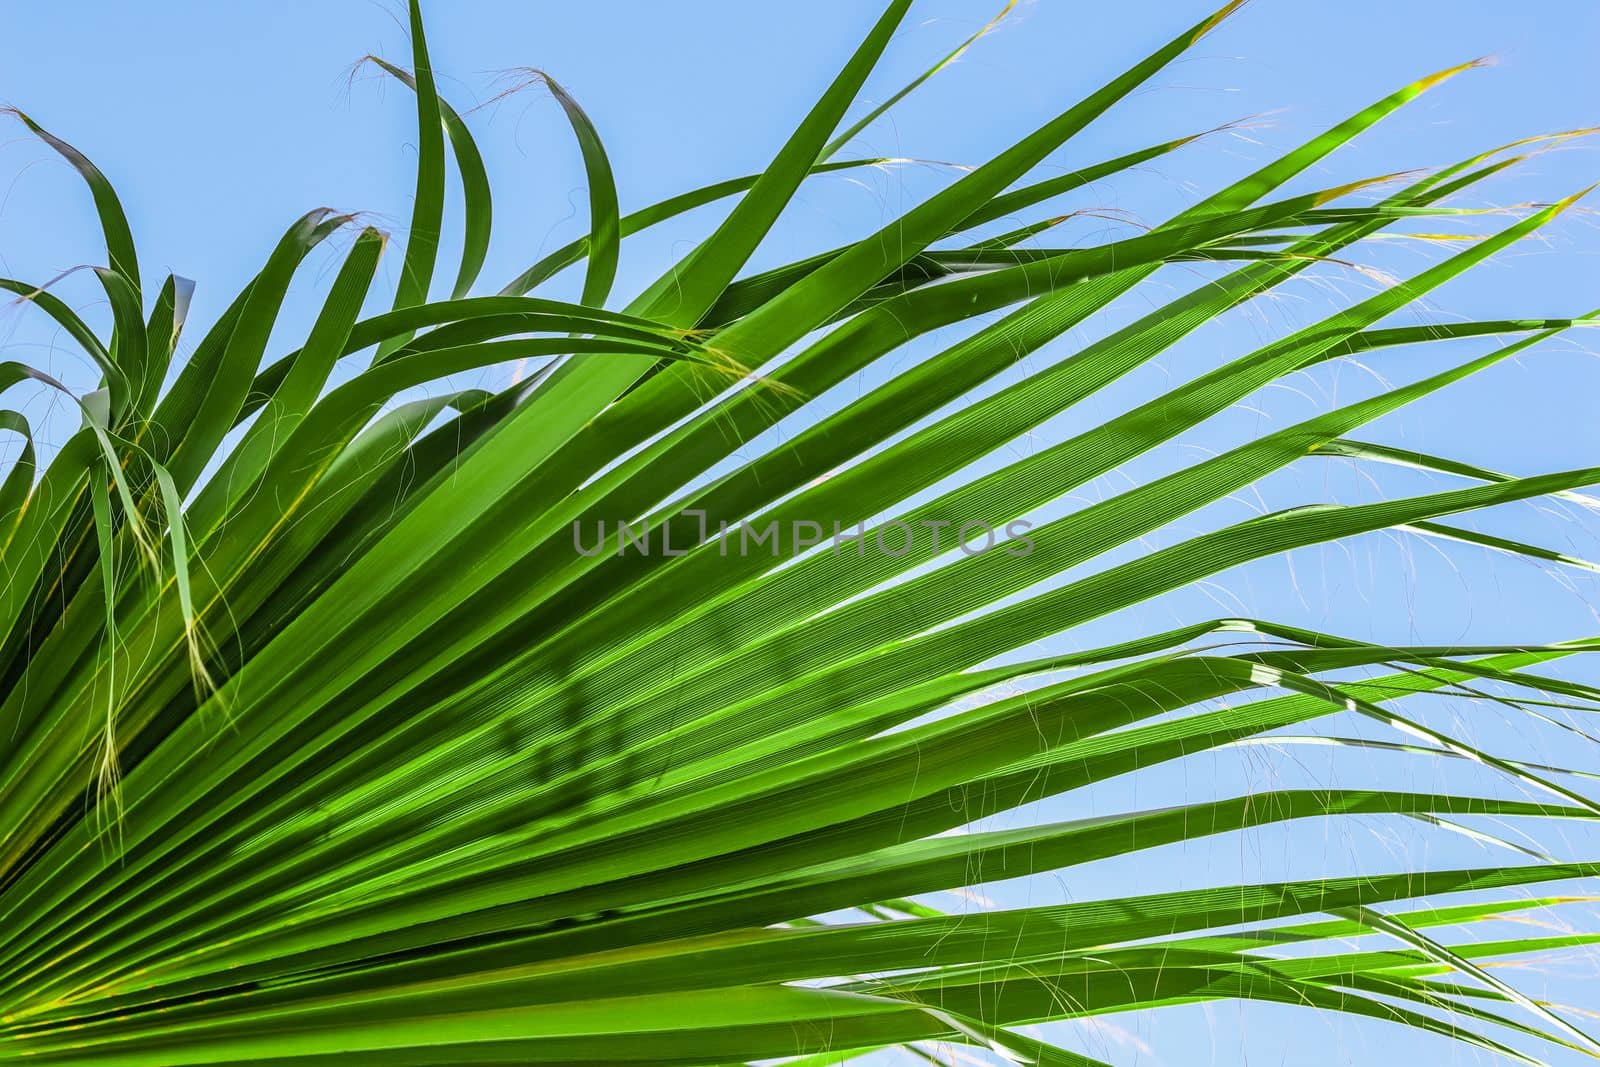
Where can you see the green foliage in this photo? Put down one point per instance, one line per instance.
(326, 745)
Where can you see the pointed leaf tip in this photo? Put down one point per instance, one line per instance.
(1438, 77)
(1219, 18)
(1330, 195)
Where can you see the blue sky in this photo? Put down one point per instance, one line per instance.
(222, 122)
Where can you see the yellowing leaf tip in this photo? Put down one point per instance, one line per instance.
(1439, 77)
(1562, 205)
(1344, 190)
(1216, 20)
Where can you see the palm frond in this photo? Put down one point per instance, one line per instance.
(356, 718)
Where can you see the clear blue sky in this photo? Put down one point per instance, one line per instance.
(221, 122)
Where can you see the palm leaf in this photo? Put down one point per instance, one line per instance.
(354, 718)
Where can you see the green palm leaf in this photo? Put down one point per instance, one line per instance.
(355, 719)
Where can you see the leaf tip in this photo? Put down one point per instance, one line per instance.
(1221, 16)
(1442, 76)
(1329, 195)
(1562, 205)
